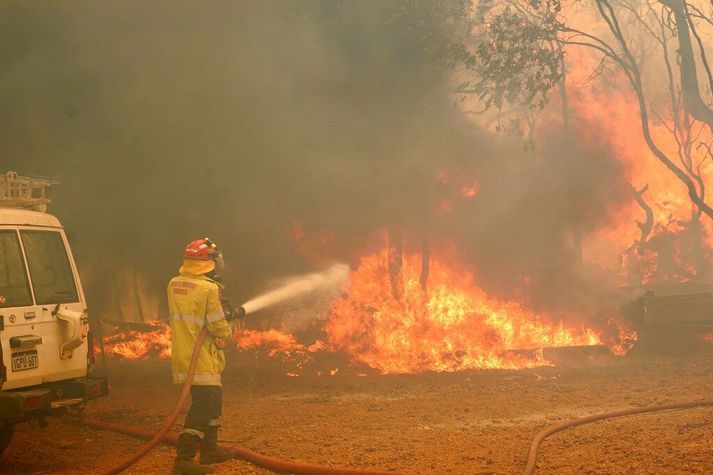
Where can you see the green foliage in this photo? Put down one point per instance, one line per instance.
(517, 58)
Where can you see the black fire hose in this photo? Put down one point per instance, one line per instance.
(532, 457)
(276, 465)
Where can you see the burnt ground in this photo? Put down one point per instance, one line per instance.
(472, 422)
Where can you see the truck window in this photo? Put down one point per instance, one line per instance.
(14, 288)
(52, 278)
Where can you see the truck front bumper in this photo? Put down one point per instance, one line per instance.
(17, 405)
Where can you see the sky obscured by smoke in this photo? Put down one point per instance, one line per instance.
(173, 120)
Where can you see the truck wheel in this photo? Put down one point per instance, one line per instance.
(6, 431)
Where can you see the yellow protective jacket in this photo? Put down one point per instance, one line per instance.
(194, 302)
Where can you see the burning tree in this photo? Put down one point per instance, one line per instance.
(412, 307)
(514, 73)
(455, 326)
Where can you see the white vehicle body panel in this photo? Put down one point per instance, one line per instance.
(22, 217)
(38, 319)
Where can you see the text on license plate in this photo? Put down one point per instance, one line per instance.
(25, 360)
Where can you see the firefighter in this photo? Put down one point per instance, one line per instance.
(194, 302)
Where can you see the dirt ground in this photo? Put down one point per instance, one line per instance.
(472, 422)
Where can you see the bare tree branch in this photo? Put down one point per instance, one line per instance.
(697, 13)
(646, 226)
(609, 16)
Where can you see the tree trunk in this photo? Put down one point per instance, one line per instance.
(576, 230)
(425, 263)
(644, 226)
(631, 69)
(698, 257)
(137, 296)
(689, 78)
(396, 262)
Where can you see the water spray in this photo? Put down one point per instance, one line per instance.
(334, 276)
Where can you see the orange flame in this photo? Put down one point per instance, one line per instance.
(469, 190)
(612, 114)
(275, 341)
(135, 344)
(140, 344)
(453, 326)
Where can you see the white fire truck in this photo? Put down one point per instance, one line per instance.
(45, 348)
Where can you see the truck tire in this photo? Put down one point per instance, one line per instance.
(6, 431)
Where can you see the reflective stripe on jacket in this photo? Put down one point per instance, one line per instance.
(194, 302)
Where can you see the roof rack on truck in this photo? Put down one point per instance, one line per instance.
(28, 192)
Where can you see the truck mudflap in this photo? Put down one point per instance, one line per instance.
(17, 405)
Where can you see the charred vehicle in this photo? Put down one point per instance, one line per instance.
(45, 347)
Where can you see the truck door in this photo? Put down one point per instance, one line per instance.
(56, 293)
(38, 332)
(15, 302)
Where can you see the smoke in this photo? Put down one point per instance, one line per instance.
(168, 121)
(239, 120)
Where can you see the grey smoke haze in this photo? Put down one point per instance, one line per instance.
(172, 120)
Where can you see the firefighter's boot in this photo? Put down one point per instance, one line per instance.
(210, 452)
(185, 453)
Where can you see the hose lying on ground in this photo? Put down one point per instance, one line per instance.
(171, 419)
(276, 465)
(532, 457)
(260, 460)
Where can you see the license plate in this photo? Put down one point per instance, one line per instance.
(25, 360)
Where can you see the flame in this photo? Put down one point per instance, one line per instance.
(469, 190)
(275, 341)
(453, 326)
(627, 338)
(456, 324)
(612, 114)
(453, 189)
(135, 344)
(316, 245)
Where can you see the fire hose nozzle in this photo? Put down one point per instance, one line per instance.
(239, 311)
(232, 312)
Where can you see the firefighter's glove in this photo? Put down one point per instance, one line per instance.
(228, 310)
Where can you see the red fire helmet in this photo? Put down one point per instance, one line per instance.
(201, 249)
